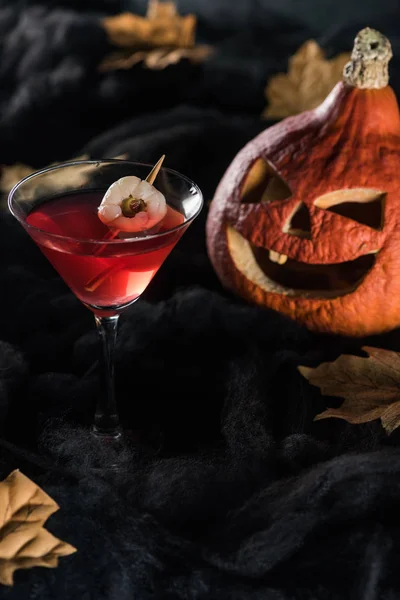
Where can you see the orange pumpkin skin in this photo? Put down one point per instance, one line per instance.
(350, 142)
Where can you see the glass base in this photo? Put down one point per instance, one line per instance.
(116, 446)
(111, 435)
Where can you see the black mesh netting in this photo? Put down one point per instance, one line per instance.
(247, 497)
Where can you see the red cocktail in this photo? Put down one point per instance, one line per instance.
(109, 276)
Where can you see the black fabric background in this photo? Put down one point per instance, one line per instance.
(248, 498)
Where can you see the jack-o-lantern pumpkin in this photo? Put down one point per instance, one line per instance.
(306, 220)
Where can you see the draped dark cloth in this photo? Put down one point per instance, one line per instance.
(247, 497)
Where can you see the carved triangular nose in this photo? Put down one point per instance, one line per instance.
(299, 223)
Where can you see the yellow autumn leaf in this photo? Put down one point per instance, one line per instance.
(309, 80)
(12, 174)
(156, 59)
(161, 27)
(24, 543)
(162, 38)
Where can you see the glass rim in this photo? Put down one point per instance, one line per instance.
(113, 241)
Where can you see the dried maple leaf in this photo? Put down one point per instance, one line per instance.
(162, 27)
(11, 175)
(160, 39)
(308, 82)
(370, 387)
(24, 543)
(156, 59)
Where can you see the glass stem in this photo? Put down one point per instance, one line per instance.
(106, 420)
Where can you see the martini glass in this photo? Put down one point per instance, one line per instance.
(58, 209)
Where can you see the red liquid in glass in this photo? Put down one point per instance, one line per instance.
(105, 277)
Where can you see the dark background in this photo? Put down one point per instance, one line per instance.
(248, 497)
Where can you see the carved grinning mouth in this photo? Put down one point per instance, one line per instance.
(279, 274)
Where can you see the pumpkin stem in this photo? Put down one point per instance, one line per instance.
(368, 67)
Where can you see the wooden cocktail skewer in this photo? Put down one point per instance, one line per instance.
(94, 283)
(151, 177)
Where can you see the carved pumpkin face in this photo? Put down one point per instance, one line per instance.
(306, 220)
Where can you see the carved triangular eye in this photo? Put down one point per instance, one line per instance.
(263, 184)
(299, 223)
(363, 205)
